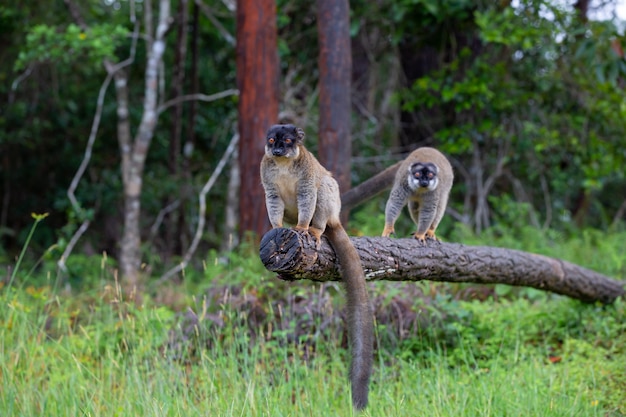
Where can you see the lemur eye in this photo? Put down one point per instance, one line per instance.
(417, 175)
(288, 141)
(430, 175)
(271, 141)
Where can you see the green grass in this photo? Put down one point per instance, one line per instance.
(114, 360)
(90, 352)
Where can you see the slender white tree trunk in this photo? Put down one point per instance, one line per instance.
(130, 250)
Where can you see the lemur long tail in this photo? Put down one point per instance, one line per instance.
(360, 316)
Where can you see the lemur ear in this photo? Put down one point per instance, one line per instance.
(300, 134)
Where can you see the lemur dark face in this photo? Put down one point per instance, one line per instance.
(423, 175)
(282, 141)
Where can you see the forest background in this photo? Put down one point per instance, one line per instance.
(117, 116)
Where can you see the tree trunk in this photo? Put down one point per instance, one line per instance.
(230, 238)
(124, 138)
(130, 256)
(335, 67)
(257, 80)
(294, 256)
(186, 188)
(582, 8)
(172, 223)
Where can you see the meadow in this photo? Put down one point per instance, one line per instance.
(232, 340)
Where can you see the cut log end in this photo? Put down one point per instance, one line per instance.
(287, 251)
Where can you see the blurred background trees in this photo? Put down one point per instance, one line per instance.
(527, 98)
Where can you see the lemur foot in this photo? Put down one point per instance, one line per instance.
(430, 234)
(317, 234)
(388, 230)
(421, 237)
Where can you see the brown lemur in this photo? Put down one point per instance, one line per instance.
(300, 191)
(424, 179)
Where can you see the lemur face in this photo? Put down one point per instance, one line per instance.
(423, 175)
(282, 141)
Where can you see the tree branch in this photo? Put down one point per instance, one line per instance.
(202, 212)
(619, 214)
(199, 97)
(17, 82)
(112, 70)
(230, 39)
(159, 219)
(294, 256)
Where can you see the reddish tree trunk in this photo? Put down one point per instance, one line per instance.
(335, 66)
(257, 80)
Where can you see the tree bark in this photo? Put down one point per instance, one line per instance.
(294, 256)
(230, 238)
(130, 256)
(335, 67)
(257, 80)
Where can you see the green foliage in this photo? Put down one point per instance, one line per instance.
(47, 43)
(432, 15)
(240, 266)
(526, 93)
(370, 218)
(540, 101)
(52, 71)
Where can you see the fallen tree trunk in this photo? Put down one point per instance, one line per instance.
(294, 256)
